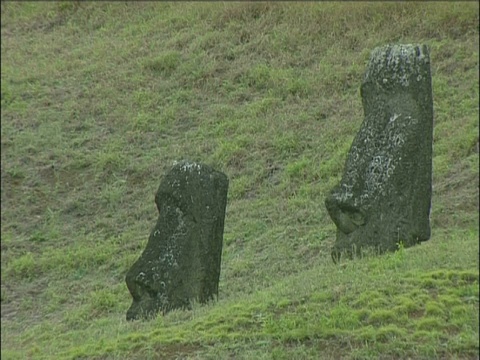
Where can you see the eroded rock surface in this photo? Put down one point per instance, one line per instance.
(181, 262)
(384, 197)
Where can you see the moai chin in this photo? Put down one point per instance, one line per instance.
(384, 196)
(181, 262)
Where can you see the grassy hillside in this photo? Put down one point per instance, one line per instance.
(99, 99)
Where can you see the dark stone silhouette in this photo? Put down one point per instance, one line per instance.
(384, 197)
(181, 262)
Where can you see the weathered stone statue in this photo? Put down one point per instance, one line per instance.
(384, 197)
(181, 262)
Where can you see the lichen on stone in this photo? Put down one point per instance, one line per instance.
(385, 190)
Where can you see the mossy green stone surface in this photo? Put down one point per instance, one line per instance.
(384, 197)
(182, 260)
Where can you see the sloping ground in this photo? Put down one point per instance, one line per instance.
(99, 99)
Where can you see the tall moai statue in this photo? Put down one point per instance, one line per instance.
(384, 196)
(181, 262)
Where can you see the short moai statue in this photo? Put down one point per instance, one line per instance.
(384, 196)
(181, 262)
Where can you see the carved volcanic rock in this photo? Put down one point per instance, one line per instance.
(384, 197)
(181, 262)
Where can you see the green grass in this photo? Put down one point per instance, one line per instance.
(98, 101)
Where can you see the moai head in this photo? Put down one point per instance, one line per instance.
(384, 196)
(181, 262)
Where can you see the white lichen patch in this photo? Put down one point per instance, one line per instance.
(169, 258)
(393, 118)
(181, 227)
(397, 63)
(378, 172)
(140, 277)
(346, 193)
(188, 166)
(170, 253)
